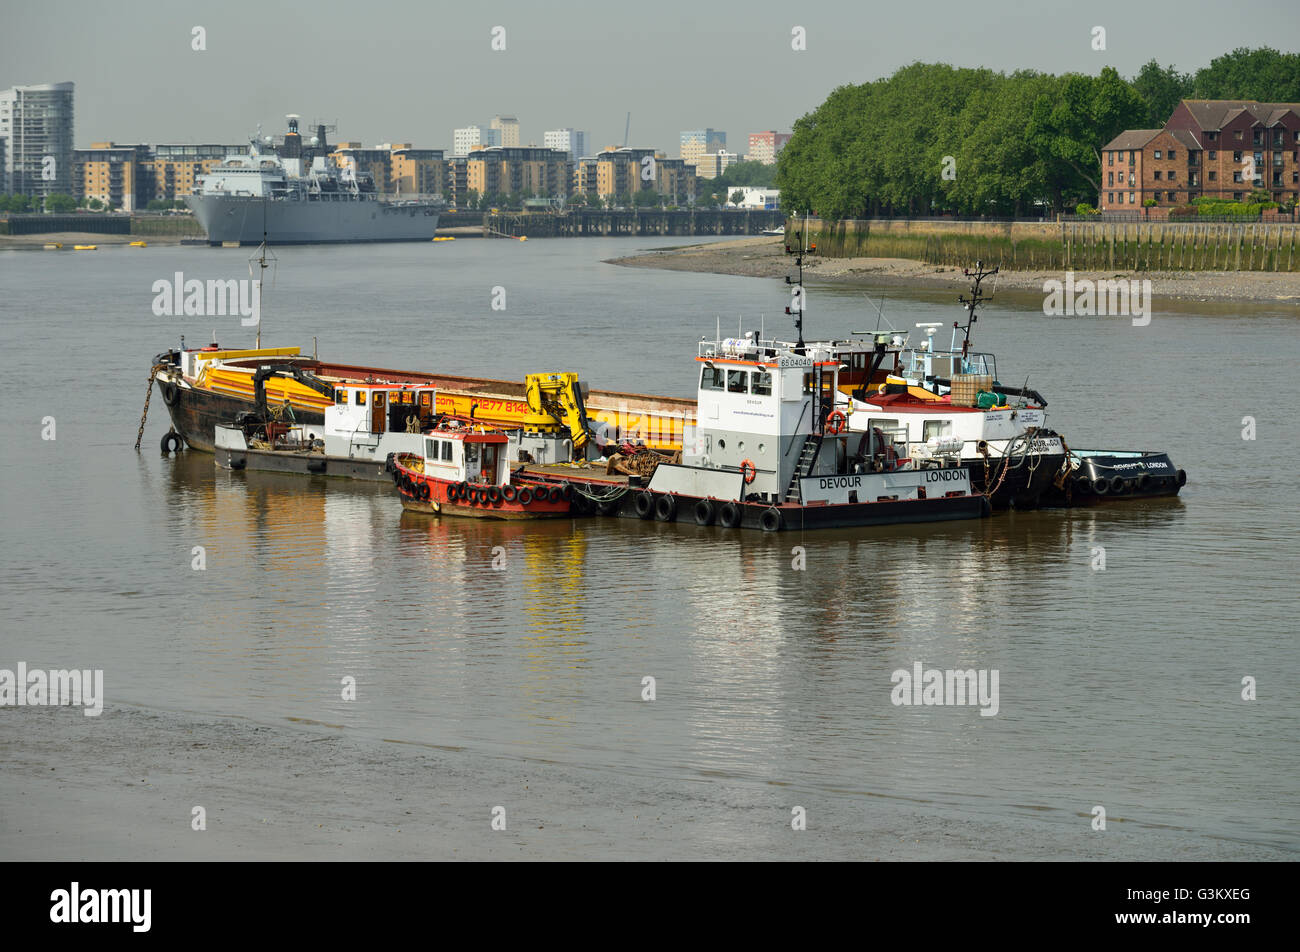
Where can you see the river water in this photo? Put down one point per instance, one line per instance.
(1119, 687)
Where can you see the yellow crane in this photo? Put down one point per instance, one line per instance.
(556, 404)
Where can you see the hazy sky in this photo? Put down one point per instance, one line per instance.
(404, 70)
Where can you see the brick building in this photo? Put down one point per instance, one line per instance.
(1221, 148)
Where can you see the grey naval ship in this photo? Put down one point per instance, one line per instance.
(299, 194)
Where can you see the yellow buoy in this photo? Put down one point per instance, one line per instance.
(523, 237)
(54, 246)
(84, 247)
(139, 244)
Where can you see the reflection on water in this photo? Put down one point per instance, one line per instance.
(1124, 680)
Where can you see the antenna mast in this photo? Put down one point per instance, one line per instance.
(976, 298)
(800, 251)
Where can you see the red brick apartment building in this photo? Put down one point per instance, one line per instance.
(1207, 148)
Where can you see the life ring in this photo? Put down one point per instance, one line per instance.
(424, 492)
(645, 505)
(509, 493)
(729, 515)
(494, 494)
(770, 520)
(666, 508)
(525, 496)
(172, 442)
(705, 512)
(749, 470)
(170, 392)
(836, 422)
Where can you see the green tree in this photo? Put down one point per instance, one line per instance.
(60, 204)
(737, 197)
(1263, 74)
(1162, 88)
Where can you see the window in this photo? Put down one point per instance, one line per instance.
(471, 452)
(1156, 196)
(1173, 153)
(1156, 175)
(1158, 154)
(360, 398)
(431, 448)
(1121, 156)
(711, 378)
(1236, 156)
(446, 451)
(762, 385)
(882, 424)
(1172, 174)
(933, 428)
(808, 383)
(1173, 196)
(1110, 178)
(340, 396)
(1213, 155)
(1237, 135)
(1212, 136)
(1130, 198)
(1110, 198)
(1110, 158)
(1236, 176)
(737, 381)
(1236, 196)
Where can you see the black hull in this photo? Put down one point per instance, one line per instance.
(1103, 477)
(196, 413)
(1026, 486)
(795, 517)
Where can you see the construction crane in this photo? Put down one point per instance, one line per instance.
(555, 404)
(627, 127)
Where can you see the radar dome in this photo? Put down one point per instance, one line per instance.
(315, 140)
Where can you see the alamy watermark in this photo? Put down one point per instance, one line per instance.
(215, 298)
(37, 688)
(926, 687)
(1105, 297)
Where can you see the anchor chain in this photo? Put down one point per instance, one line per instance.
(148, 395)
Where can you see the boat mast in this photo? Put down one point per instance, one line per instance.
(976, 298)
(797, 306)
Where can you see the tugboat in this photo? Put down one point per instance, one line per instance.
(462, 469)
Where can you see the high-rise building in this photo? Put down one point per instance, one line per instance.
(766, 146)
(712, 164)
(508, 127)
(527, 171)
(466, 140)
(36, 124)
(4, 174)
(697, 142)
(566, 140)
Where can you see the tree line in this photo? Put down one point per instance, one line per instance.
(935, 139)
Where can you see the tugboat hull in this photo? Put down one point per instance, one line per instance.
(1104, 475)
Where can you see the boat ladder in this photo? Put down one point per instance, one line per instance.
(812, 444)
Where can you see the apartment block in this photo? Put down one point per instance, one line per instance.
(1222, 149)
(766, 146)
(526, 171)
(176, 168)
(36, 124)
(566, 140)
(698, 142)
(120, 176)
(466, 140)
(508, 127)
(712, 164)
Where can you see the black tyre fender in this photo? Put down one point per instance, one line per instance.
(666, 508)
(1118, 485)
(494, 494)
(1181, 478)
(542, 493)
(172, 442)
(170, 392)
(509, 493)
(1144, 482)
(1101, 485)
(1083, 484)
(525, 496)
(645, 504)
(770, 520)
(705, 512)
(729, 514)
(562, 492)
(424, 492)
(389, 466)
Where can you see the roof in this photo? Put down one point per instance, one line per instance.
(1186, 138)
(1131, 139)
(1213, 114)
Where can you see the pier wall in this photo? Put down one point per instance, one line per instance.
(1067, 245)
(606, 223)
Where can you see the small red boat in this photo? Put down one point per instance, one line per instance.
(465, 472)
